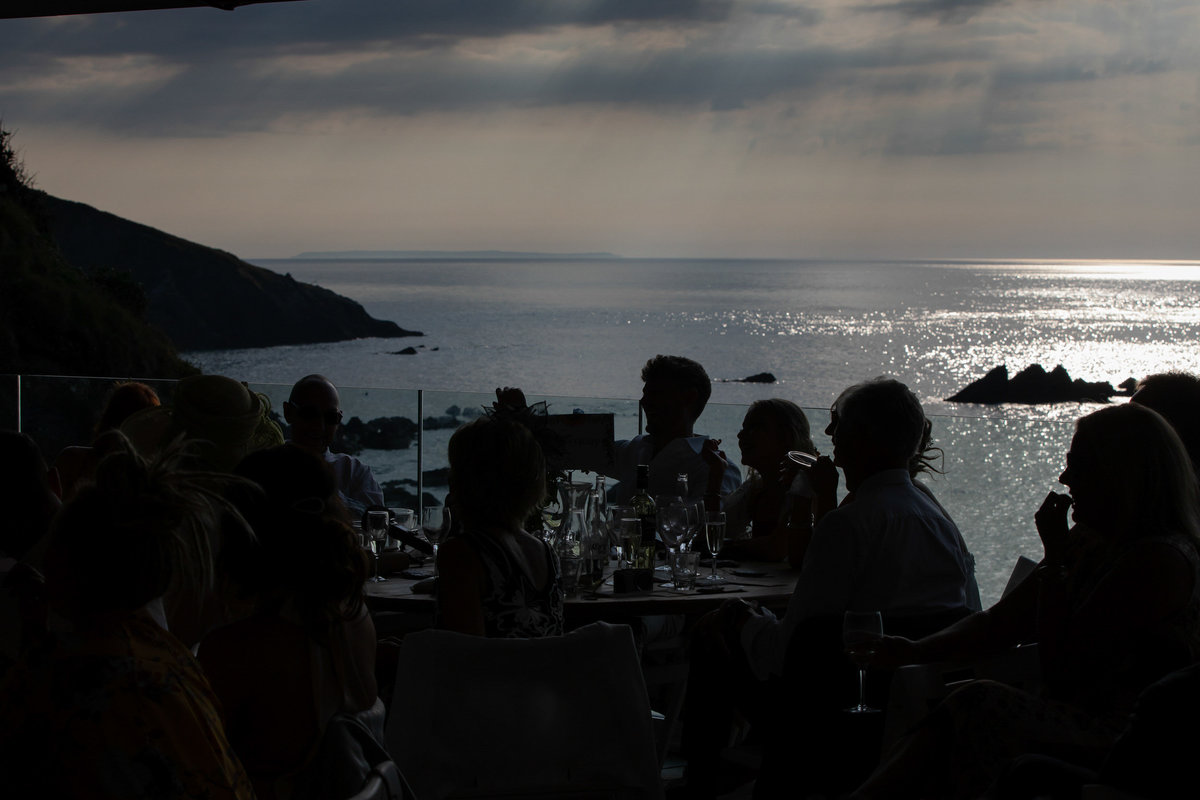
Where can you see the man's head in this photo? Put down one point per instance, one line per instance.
(876, 425)
(675, 392)
(314, 412)
(1176, 396)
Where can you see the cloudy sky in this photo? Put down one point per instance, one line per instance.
(830, 128)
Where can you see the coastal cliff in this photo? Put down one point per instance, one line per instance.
(203, 298)
(53, 318)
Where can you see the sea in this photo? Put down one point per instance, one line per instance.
(576, 333)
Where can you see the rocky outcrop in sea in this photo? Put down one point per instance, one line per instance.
(1034, 385)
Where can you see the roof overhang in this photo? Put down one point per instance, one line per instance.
(54, 8)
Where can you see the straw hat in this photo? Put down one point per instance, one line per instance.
(223, 414)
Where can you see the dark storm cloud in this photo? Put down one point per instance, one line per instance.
(240, 94)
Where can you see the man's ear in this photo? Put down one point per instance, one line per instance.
(691, 398)
(287, 411)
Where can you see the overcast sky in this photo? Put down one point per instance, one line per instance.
(833, 128)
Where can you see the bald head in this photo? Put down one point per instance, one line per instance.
(314, 412)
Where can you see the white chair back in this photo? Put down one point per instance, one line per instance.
(561, 716)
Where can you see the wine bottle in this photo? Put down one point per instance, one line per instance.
(643, 505)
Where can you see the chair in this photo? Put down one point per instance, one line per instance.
(564, 716)
(384, 783)
(349, 753)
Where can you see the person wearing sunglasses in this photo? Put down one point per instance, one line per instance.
(313, 412)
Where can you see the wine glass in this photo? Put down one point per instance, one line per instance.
(861, 631)
(672, 523)
(377, 527)
(435, 521)
(714, 533)
(696, 516)
(631, 539)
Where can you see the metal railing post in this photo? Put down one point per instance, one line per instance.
(420, 453)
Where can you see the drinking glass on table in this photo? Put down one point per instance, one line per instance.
(861, 631)
(672, 523)
(377, 527)
(714, 533)
(631, 539)
(435, 522)
(696, 517)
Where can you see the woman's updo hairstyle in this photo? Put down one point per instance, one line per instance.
(143, 527)
(497, 471)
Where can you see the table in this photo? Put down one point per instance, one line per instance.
(772, 589)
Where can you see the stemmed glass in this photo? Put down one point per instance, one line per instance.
(714, 532)
(377, 527)
(861, 631)
(672, 523)
(696, 516)
(435, 521)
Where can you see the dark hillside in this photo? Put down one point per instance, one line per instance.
(207, 299)
(53, 318)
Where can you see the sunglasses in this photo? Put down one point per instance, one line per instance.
(312, 414)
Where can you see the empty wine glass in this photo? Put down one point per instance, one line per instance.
(696, 517)
(377, 527)
(861, 631)
(435, 522)
(672, 523)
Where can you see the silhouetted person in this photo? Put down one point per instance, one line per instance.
(1175, 395)
(890, 550)
(495, 579)
(1113, 607)
(675, 391)
(314, 413)
(76, 465)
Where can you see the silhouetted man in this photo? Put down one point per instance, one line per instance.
(887, 548)
(314, 413)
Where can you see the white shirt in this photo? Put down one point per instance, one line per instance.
(891, 550)
(356, 484)
(679, 455)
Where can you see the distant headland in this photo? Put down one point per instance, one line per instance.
(204, 298)
(451, 255)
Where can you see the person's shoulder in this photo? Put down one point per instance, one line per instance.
(342, 458)
(458, 553)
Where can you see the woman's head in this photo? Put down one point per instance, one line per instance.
(143, 526)
(497, 472)
(124, 400)
(1130, 475)
(304, 550)
(771, 428)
